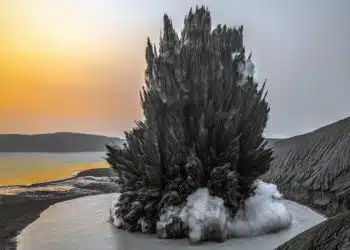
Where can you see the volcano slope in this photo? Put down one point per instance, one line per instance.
(333, 233)
(314, 168)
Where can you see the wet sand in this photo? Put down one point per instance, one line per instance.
(20, 209)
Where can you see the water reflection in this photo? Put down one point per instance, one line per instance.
(27, 168)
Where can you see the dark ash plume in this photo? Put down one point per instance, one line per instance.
(203, 129)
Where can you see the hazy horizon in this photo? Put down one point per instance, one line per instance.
(78, 66)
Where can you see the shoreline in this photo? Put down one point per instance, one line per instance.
(37, 184)
(20, 209)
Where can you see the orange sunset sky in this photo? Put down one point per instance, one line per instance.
(78, 65)
(69, 66)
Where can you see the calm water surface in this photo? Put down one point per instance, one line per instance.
(27, 168)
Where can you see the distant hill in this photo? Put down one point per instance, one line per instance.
(314, 168)
(56, 142)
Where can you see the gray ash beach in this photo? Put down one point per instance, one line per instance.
(22, 204)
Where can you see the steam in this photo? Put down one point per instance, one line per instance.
(206, 218)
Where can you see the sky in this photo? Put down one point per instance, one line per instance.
(78, 65)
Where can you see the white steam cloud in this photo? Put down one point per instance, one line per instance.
(207, 218)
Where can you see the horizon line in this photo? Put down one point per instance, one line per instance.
(63, 132)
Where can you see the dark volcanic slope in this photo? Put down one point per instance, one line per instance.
(314, 168)
(333, 233)
(57, 142)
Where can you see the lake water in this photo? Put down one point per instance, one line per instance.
(84, 224)
(27, 168)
